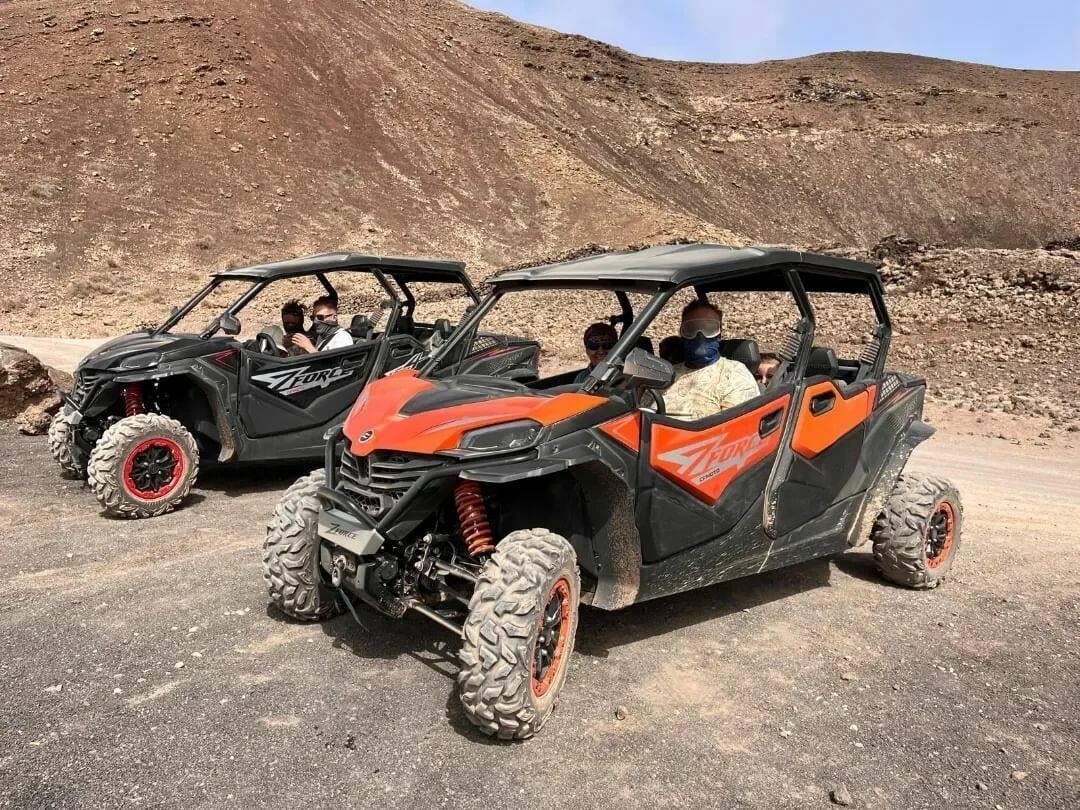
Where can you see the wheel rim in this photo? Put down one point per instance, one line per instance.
(153, 469)
(940, 534)
(550, 647)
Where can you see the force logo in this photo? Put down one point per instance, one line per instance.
(294, 380)
(709, 457)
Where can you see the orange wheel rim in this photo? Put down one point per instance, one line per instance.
(549, 650)
(940, 534)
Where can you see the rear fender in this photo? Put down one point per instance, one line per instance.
(914, 433)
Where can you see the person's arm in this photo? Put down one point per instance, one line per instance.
(299, 341)
(737, 386)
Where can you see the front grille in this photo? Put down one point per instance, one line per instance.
(378, 481)
(85, 381)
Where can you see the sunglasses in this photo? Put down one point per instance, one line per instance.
(706, 327)
(324, 317)
(599, 344)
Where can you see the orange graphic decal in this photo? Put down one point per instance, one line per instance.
(704, 462)
(625, 429)
(835, 417)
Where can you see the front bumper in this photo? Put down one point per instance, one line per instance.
(349, 532)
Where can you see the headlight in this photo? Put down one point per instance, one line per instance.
(144, 360)
(507, 436)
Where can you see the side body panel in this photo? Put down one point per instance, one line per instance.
(697, 480)
(284, 395)
(887, 438)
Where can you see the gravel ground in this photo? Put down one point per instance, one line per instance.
(141, 666)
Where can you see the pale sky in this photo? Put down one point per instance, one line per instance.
(1041, 34)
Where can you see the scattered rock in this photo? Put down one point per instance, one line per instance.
(848, 676)
(1019, 776)
(621, 713)
(55, 689)
(841, 795)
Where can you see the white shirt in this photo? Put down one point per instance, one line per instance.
(339, 340)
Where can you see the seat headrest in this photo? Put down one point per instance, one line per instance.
(273, 333)
(671, 349)
(361, 327)
(746, 352)
(443, 327)
(822, 361)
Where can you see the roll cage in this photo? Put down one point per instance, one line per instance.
(394, 275)
(664, 271)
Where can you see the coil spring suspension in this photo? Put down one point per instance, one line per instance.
(133, 400)
(472, 515)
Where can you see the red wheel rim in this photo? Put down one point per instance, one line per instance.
(154, 468)
(940, 534)
(550, 647)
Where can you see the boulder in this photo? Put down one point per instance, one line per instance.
(29, 391)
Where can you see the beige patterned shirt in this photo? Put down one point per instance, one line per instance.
(701, 392)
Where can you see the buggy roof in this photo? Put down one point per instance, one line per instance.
(400, 268)
(710, 266)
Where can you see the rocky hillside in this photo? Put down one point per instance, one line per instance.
(145, 143)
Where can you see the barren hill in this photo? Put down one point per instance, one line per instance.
(145, 143)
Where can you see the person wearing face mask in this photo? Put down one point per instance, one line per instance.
(325, 335)
(706, 383)
(292, 322)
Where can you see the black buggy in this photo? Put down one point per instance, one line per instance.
(149, 407)
(495, 507)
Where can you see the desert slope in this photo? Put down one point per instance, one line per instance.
(146, 143)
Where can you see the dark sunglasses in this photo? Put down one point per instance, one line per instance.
(599, 344)
(324, 317)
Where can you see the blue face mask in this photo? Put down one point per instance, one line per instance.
(701, 351)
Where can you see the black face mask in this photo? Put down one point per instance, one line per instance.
(324, 328)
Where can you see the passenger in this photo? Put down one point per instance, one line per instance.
(706, 383)
(599, 338)
(325, 333)
(766, 369)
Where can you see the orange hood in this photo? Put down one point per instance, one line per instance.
(376, 421)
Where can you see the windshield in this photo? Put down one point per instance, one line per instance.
(208, 303)
(576, 329)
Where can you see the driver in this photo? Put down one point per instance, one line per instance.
(292, 323)
(706, 383)
(325, 333)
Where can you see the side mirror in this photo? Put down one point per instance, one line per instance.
(229, 323)
(648, 370)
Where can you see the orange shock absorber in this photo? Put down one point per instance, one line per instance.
(133, 401)
(472, 515)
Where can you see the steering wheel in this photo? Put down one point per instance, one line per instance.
(264, 344)
(657, 397)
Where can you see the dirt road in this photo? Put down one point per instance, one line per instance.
(140, 666)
